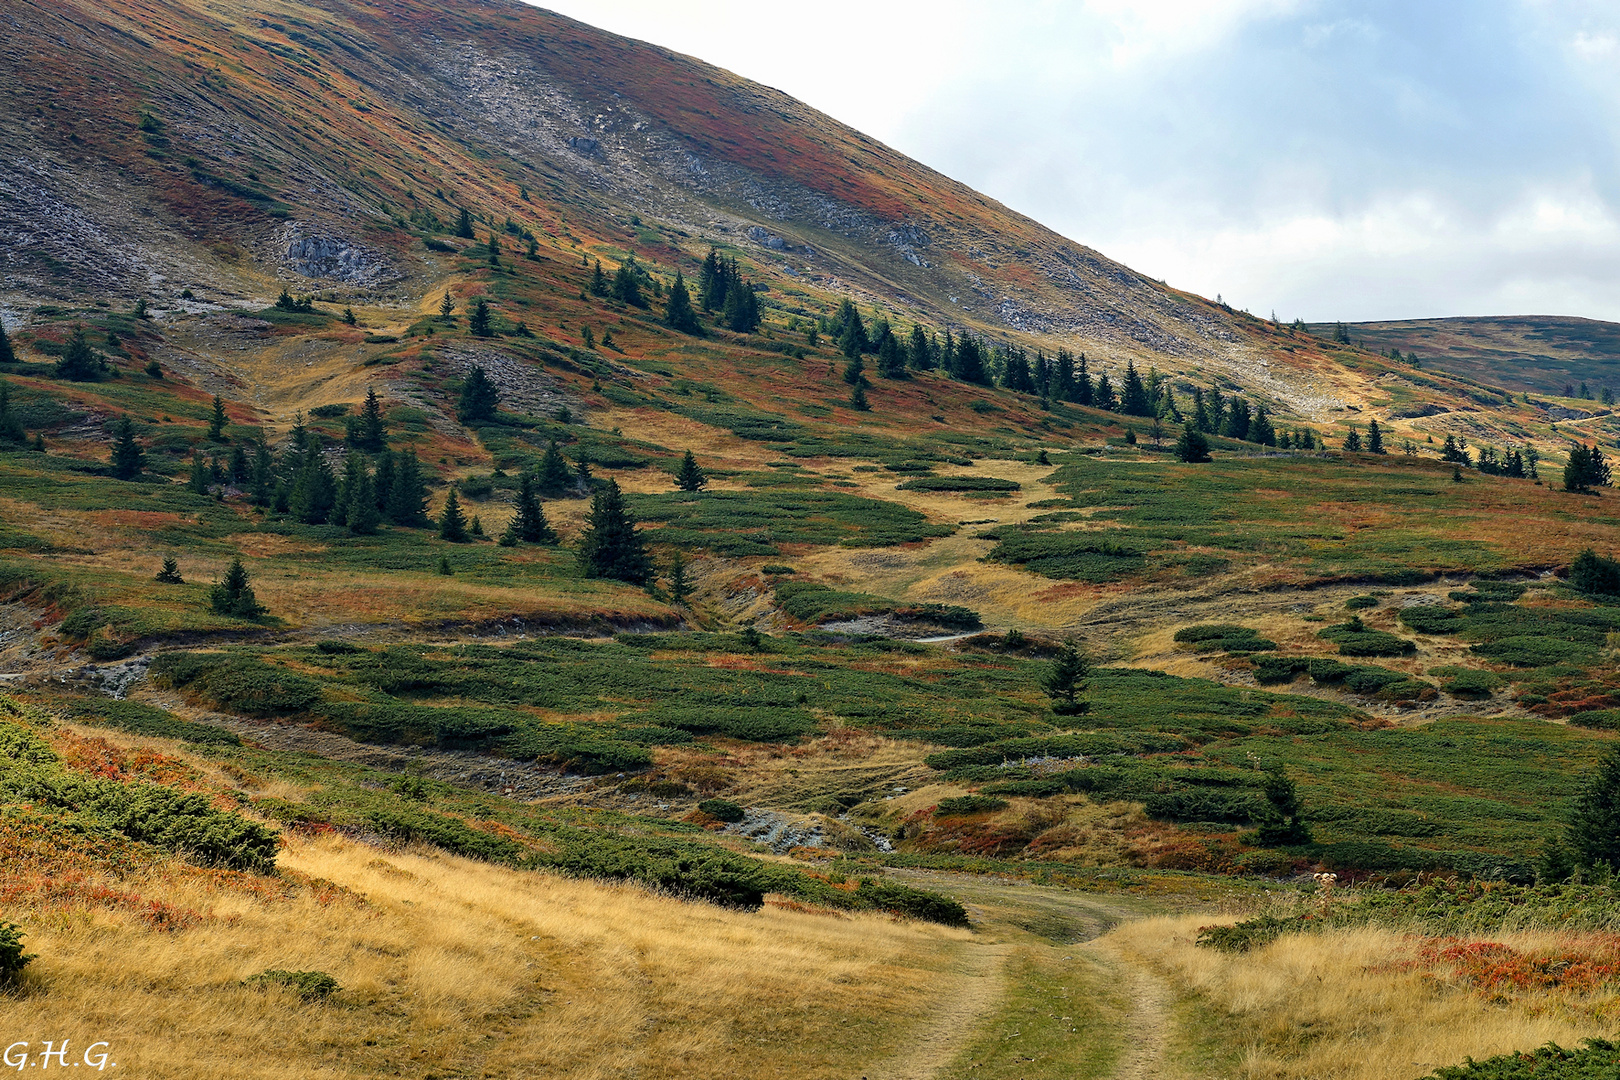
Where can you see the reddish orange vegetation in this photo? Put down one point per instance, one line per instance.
(1586, 963)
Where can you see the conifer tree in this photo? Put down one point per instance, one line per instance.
(529, 524)
(689, 477)
(447, 307)
(478, 399)
(363, 517)
(1133, 398)
(970, 362)
(263, 474)
(234, 595)
(354, 471)
(742, 308)
(464, 225)
(626, 285)
(1260, 429)
(1103, 396)
(452, 523)
(857, 400)
(7, 354)
(128, 459)
(198, 484)
(11, 429)
(1065, 680)
(494, 249)
(712, 284)
(610, 546)
(1085, 392)
(1352, 441)
(1375, 438)
(599, 281)
(1594, 825)
(407, 494)
(79, 362)
(891, 358)
(241, 472)
(169, 574)
(678, 314)
(855, 371)
(217, 420)
(918, 353)
(1191, 445)
(680, 586)
(478, 323)
(314, 489)
(1280, 819)
(852, 340)
(555, 477)
(373, 432)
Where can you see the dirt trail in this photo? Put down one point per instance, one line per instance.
(980, 988)
(1008, 913)
(1148, 1024)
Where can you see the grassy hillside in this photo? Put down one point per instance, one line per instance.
(802, 798)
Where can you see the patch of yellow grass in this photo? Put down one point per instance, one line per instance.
(1341, 1005)
(458, 968)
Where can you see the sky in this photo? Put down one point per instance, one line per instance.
(1320, 159)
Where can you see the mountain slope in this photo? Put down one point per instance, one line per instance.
(1543, 354)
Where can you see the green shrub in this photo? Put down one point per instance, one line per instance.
(1596, 719)
(1271, 670)
(1357, 603)
(237, 683)
(969, 804)
(1223, 637)
(1592, 573)
(1536, 651)
(1596, 1061)
(1067, 556)
(777, 569)
(960, 483)
(1355, 639)
(12, 957)
(1246, 935)
(308, 985)
(910, 902)
(722, 810)
(1431, 619)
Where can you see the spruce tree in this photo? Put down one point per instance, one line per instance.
(1375, 438)
(407, 495)
(969, 366)
(610, 546)
(855, 371)
(891, 358)
(363, 516)
(689, 477)
(263, 474)
(529, 524)
(742, 308)
(857, 399)
(1260, 429)
(1352, 441)
(1103, 396)
(169, 574)
(1191, 446)
(80, 363)
(11, 429)
(1133, 398)
(217, 420)
(314, 490)
(918, 354)
(478, 399)
(354, 472)
(599, 281)
(1279, 820)
(452, 523)
(712, 283)
(678, 314)
(464, 225)
(447, 307)
(1066, 679)
(852, 340)
(128, 459)
(373, 430)
(198, 484)
(7, 354)
(680, 586)
(555, 477)
(234, 595)
(241, 472)
(494, 249)
(478, 323)
(626, 285)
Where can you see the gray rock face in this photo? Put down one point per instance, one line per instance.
(316, 254)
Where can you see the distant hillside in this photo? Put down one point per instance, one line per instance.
(1547, 354)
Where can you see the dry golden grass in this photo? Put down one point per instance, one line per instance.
(456, 968)
(1345, 1006)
